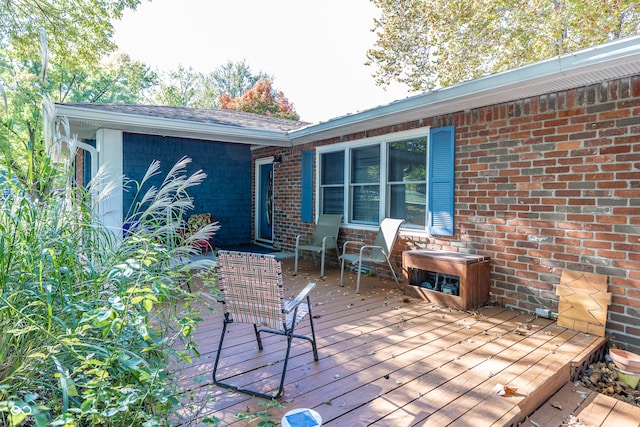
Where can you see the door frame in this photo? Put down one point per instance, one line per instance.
(259, 202)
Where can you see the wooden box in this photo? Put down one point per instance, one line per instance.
(472, 271)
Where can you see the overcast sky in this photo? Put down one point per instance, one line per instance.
(315, 49)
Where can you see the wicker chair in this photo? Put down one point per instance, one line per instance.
(252, 293)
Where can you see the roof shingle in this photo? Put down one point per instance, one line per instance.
(231, 118)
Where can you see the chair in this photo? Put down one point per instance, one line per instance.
(325, 237)
(377, 253)
(252, 293)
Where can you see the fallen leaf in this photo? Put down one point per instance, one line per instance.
(508, 391)
(502, 390)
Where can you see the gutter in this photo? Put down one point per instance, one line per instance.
(608, 61)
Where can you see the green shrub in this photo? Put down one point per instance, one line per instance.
(88, 319)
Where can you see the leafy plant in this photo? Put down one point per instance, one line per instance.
(264, 417)
(89, 318)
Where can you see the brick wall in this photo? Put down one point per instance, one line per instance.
(225, 193)
(543, 184)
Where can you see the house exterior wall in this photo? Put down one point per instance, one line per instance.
(225, 193)
(543, 184)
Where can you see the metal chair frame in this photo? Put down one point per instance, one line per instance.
(377, 253)
(325, 237)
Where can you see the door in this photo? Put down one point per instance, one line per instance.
(264, 201)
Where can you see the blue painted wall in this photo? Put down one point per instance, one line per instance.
(225, 193)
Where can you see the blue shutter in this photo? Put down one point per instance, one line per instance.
(441, 180)
(306, 198)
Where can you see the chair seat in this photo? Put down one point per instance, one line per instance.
(325, 237)
(310, 248)
(377, 253)
(355, 258)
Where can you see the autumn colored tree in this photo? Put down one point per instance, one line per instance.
(427, 44)
(262, 98)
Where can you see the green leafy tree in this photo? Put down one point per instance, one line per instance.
(235, 78)
(262, 98)
(79, 31)
(117, 80)
(56, 50)
(187, 87)
(427, 44)
(179, 87)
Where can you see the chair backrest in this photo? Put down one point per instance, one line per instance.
(251, 287)
(328, 225)
(387, 235)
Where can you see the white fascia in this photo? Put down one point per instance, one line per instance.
(172, 127)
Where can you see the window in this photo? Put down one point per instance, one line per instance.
(408, 181)
(364, 184)
(406, 175)
(332, 183)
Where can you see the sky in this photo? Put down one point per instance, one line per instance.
(314, 49)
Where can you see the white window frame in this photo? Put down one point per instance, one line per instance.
(383, 141)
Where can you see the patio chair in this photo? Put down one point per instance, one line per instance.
(325, 237)
(377, 253)
(252, 293)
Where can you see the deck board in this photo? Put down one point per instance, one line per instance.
(388, 360)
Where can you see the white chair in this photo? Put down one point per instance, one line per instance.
(377, 253)
(325, 237)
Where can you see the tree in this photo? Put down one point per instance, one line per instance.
(182, 88)
(187, 87)
(262, 98)
(427, 44)
(79, 31)
(235, 78)
(117, 80)
(55, 50)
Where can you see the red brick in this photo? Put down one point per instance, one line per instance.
(572, 148)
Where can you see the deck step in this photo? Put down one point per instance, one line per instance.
(591, 407)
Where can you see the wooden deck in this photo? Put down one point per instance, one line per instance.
(594, 409)
(388, 360)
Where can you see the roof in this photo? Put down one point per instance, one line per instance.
(612, 60)
(185, 122)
